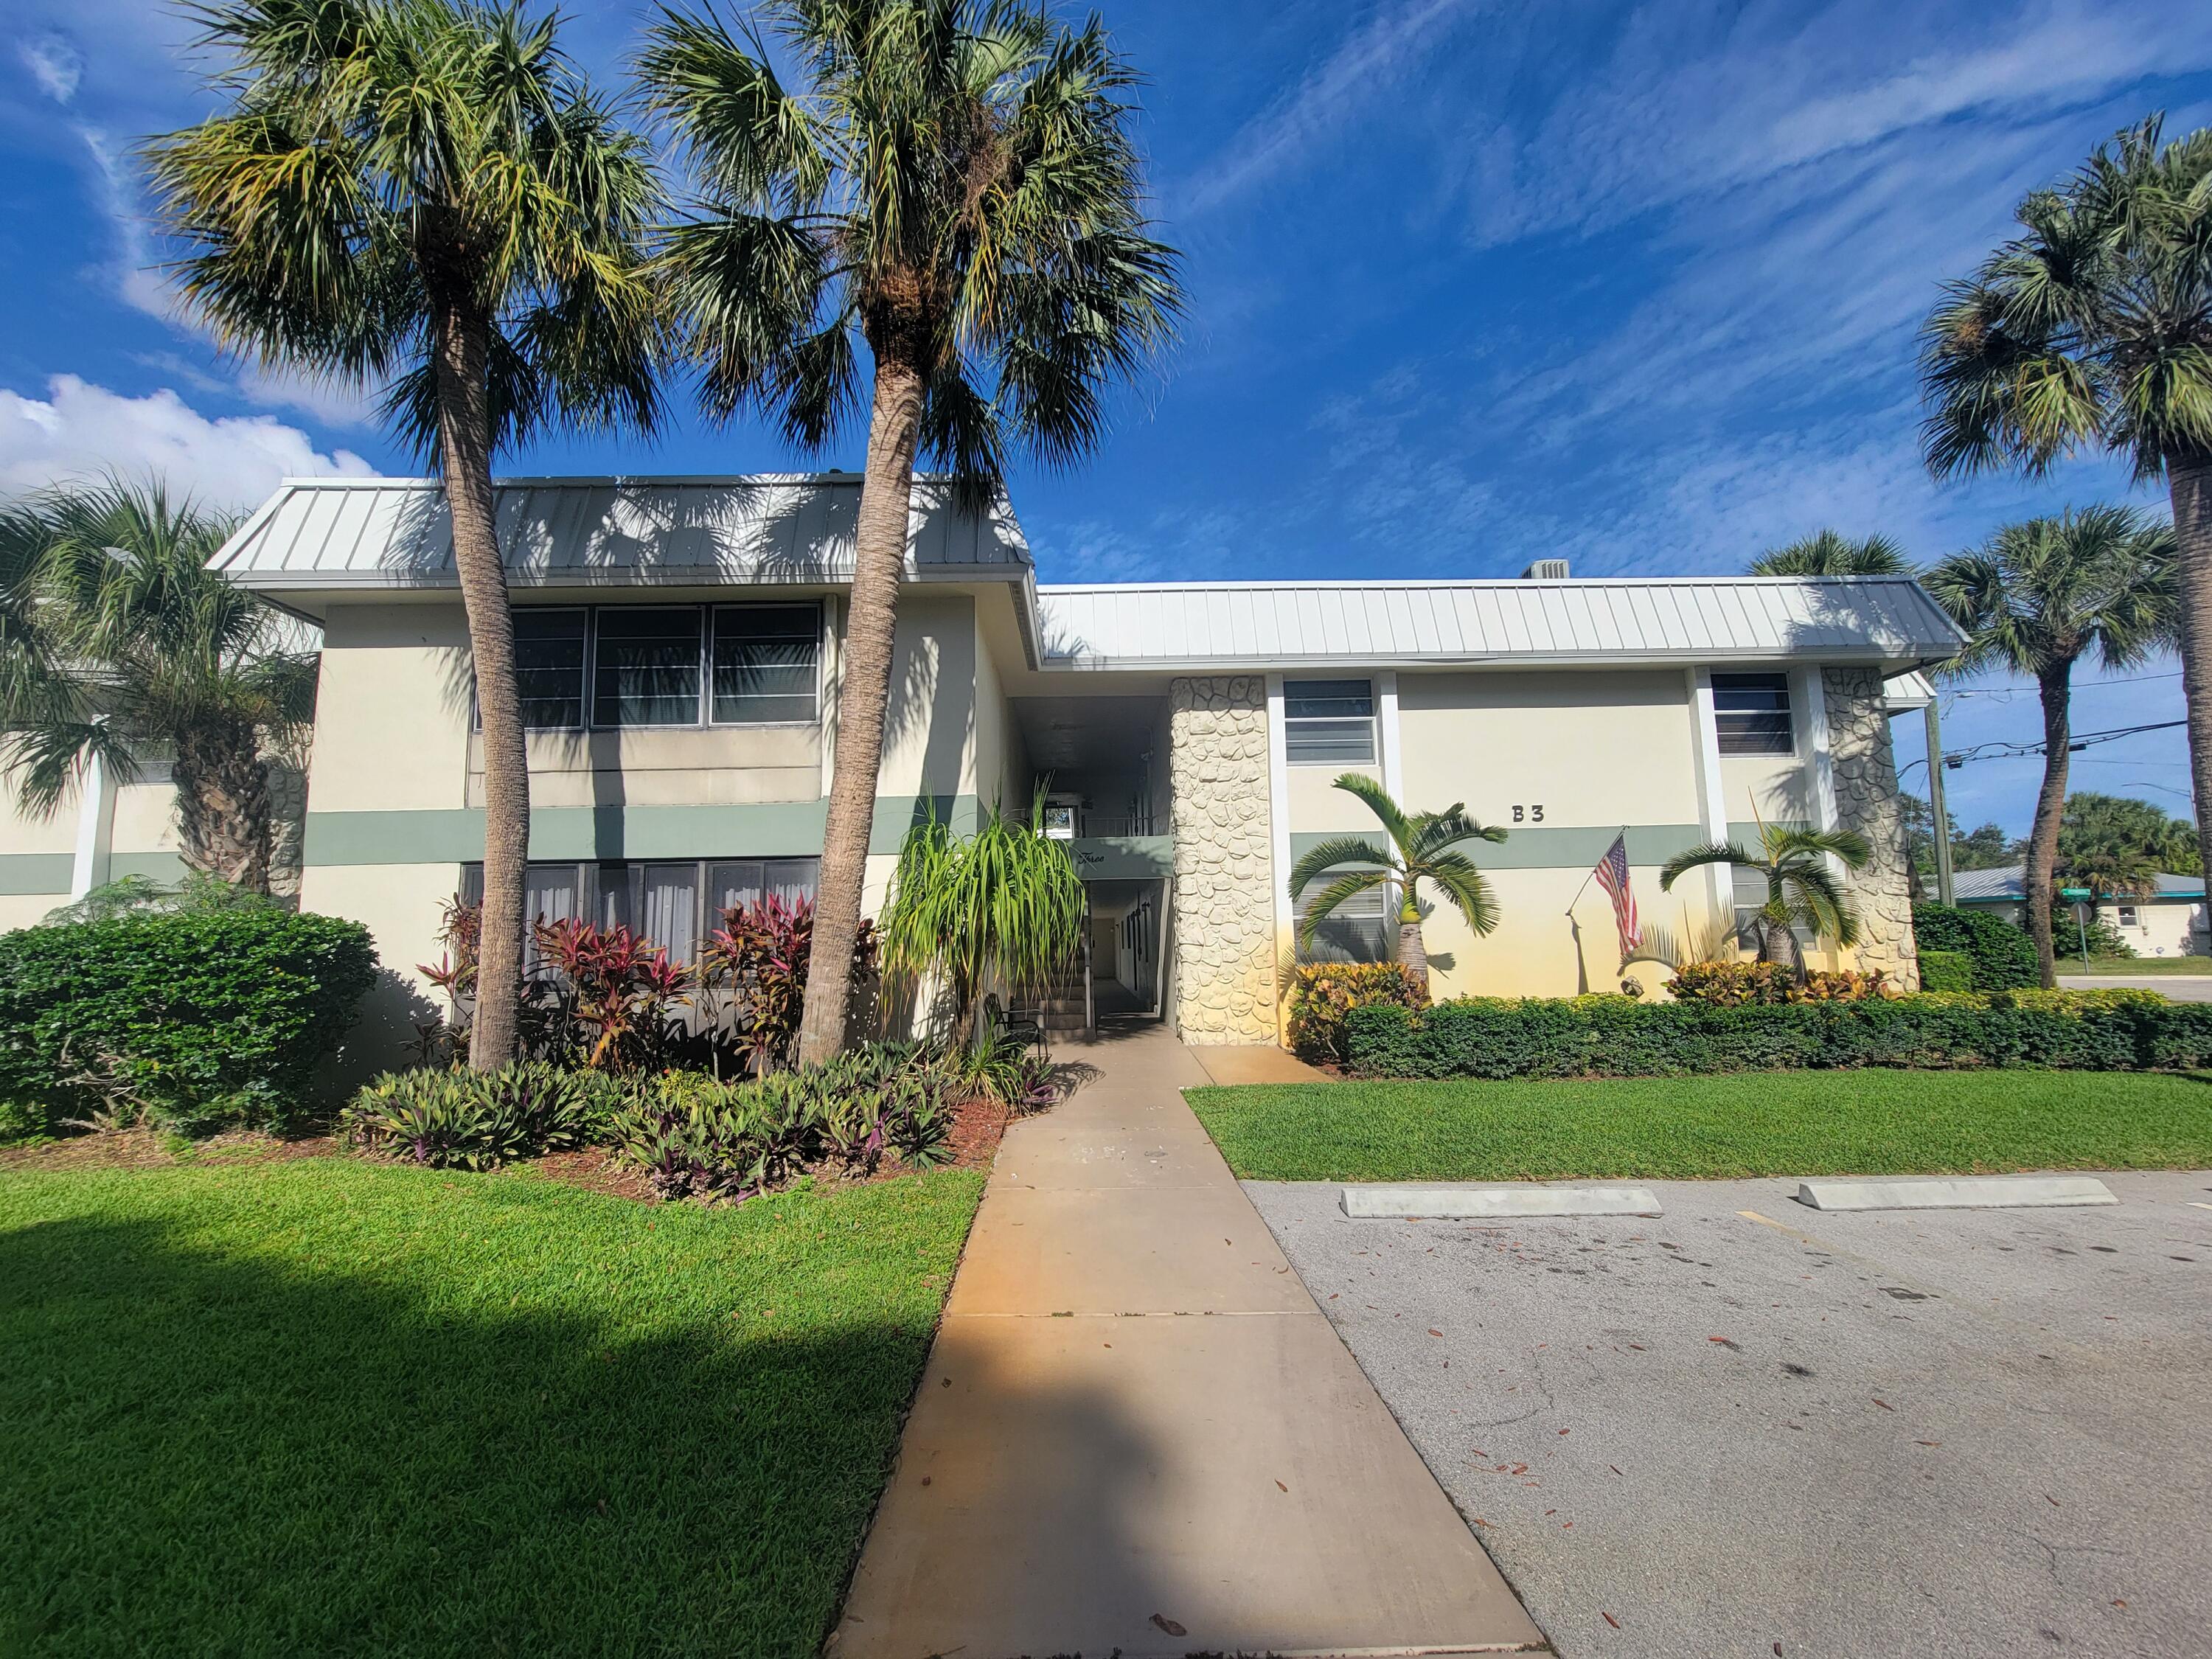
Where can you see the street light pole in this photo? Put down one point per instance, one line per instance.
(1945, 892)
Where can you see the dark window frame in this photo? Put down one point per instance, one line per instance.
(704, 719)
(1755, 728)
(594, 881)
(1309, 726)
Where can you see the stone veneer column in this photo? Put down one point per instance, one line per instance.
(1224, 889)
(288, 823)
(1866, 800)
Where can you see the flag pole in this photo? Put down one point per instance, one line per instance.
(1591, 874)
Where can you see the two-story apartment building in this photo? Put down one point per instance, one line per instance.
(679, 645)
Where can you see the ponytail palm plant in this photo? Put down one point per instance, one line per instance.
(1422, 846)
(1802, 889)
(953, 185)
(1003, 906)
(426, 196)
(119, 645)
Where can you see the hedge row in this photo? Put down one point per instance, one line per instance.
(191, 1019)
(1616, 1037)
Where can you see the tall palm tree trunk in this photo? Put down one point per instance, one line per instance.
(222, 805)
(871, 619)
(2188, 484)
(464, 445)
(2049, 807)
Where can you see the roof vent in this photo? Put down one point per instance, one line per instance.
(1546, 570)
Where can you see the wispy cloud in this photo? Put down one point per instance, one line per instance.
(54, 62)
(1323, 107)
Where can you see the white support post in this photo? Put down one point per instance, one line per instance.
(1712, 796)
(1810, 698)
(95, 830)
(1279, 825)
(832, 677)
(1386, 709)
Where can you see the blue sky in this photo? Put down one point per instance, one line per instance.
(1470, 284)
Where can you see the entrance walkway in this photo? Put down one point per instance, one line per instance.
(1137, 1432)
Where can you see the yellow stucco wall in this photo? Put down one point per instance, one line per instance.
(392, 710)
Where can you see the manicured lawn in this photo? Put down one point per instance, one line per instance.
(1859, 1122)
(327, 1407)
(2136, 967)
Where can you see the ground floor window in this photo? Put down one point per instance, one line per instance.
(675, 903)
(2127, 915)
(1358, 930)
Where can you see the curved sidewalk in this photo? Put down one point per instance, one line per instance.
(1137, 1431)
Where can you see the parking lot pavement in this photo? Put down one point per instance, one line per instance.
(1925, 1433)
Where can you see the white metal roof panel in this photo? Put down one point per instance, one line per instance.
(1887, 620)
(395, 532)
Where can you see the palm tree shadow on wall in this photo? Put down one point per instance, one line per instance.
(438, 1466)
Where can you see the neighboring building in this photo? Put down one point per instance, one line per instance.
(2168, 923)
(680, 639)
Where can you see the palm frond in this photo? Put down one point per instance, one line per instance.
(1716, 852)
(1338, 893)
(1334, 852)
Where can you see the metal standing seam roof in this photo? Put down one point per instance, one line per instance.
(1697, 619)
(2009, 882)
(352, 534)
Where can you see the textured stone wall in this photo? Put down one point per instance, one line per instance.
(1866, 800)
(287, 824)
(1225, 891)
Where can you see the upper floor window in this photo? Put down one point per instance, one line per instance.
(1753, 714)
(637, 666)
(1329, 722)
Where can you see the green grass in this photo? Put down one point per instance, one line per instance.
(329, 1407)
(2132, 967)
(1857, 1123)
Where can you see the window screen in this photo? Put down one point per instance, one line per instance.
(647, 667)
(746, 881)
(1329, 722)
(1753, 714)
(1357, 930)
(549, 666)
(764, 662)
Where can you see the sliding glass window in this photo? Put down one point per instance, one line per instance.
(646, 666)
(548, 667)
(765, 661)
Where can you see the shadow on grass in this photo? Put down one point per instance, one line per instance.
(213, 1451)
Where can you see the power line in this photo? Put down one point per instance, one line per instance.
(2015, 691)
(1999, 750)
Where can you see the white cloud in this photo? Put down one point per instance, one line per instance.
(1363, 69)
(80, 430)
(54, 64)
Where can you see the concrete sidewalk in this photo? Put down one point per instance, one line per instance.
(1137, 1431)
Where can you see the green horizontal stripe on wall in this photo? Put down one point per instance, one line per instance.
(168, 868)
(1564, 846)
(36, 872)
(754, 829)
(1123, 858)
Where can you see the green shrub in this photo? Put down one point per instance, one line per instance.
(188, 1020)
(1946, 971)
(700, 1137)
(1616, 1037)
(1737, 984)
(480, 1120)
(1323, 993)
(2003, 957)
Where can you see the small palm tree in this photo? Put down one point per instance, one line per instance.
(1830, 553)
(117, 644)
(955, 186)
(1423, 847)
(2092, 329)
(2037, 598)
(1802, 889)
(426, 195)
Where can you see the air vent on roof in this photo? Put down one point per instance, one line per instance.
(1546, 570)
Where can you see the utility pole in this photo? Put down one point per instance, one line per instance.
(1945, 892)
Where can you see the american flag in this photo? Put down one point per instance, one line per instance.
(1612, 873)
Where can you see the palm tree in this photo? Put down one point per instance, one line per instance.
(2093, 329)
(1801, 887)
(2034, 600)
(117, 643)
(1830, 553)
(955, 186)
(1423, 847)
(426, 195)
